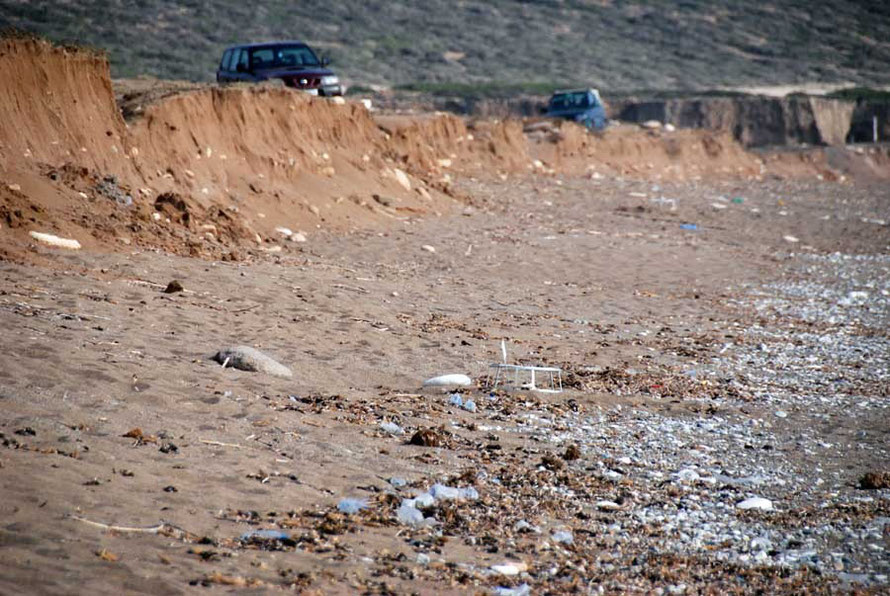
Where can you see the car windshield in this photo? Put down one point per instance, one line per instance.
(569, 101)
(283, 56)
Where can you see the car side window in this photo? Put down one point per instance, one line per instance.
(242, 60)
(224, 63)
(262, 58)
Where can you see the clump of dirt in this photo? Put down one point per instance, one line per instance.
(875, 480)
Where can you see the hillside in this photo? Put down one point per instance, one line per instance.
(617, 45)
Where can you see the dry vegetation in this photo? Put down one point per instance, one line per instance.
(617, 45)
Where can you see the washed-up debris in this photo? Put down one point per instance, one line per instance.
(456, 400)
(109, 188)
(571, 453)
(427, 437)
(392, 428)
(251, 359)
(456, 380)
(173, 287)
(758, 503)
(350, 506)
(509, 569)
(520, 590)
(140, 437)
(55, 241)
(875, 480)
(106, 555)
(563, 537)
(689, 226)
(408, 514)
(441, 492)
(409, 511)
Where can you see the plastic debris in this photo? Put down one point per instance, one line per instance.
(688, 226)
(424, 500)
(440, 492)
(56, 241)
(456, 380)
(392, 428)
(756, 503)
(264, 535)
(563, 537)
(408, 514)
(520, 590)
(509, 568)
(350, 506)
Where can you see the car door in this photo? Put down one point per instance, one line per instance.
(221, 71)
(240, 66)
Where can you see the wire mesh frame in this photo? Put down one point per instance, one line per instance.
(503, 374)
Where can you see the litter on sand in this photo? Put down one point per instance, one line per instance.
(56, 241)
(453, 380)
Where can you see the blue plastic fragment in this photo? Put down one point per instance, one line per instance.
(350, 506)
(265, 535)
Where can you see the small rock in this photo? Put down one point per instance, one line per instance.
(791, 239)
(173, 287)
(428, 248)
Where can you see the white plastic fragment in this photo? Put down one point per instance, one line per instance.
(392, 428)
(509, 569)
(758, 503)
(448, 380)
(56, 241)
(349, 505)
(408, 514)
(520, 590)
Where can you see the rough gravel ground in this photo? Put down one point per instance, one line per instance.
(746, 358)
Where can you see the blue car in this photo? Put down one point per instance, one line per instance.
(583, 106)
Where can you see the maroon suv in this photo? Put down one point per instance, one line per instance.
(291, 61)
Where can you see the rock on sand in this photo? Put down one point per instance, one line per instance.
(251, 359)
